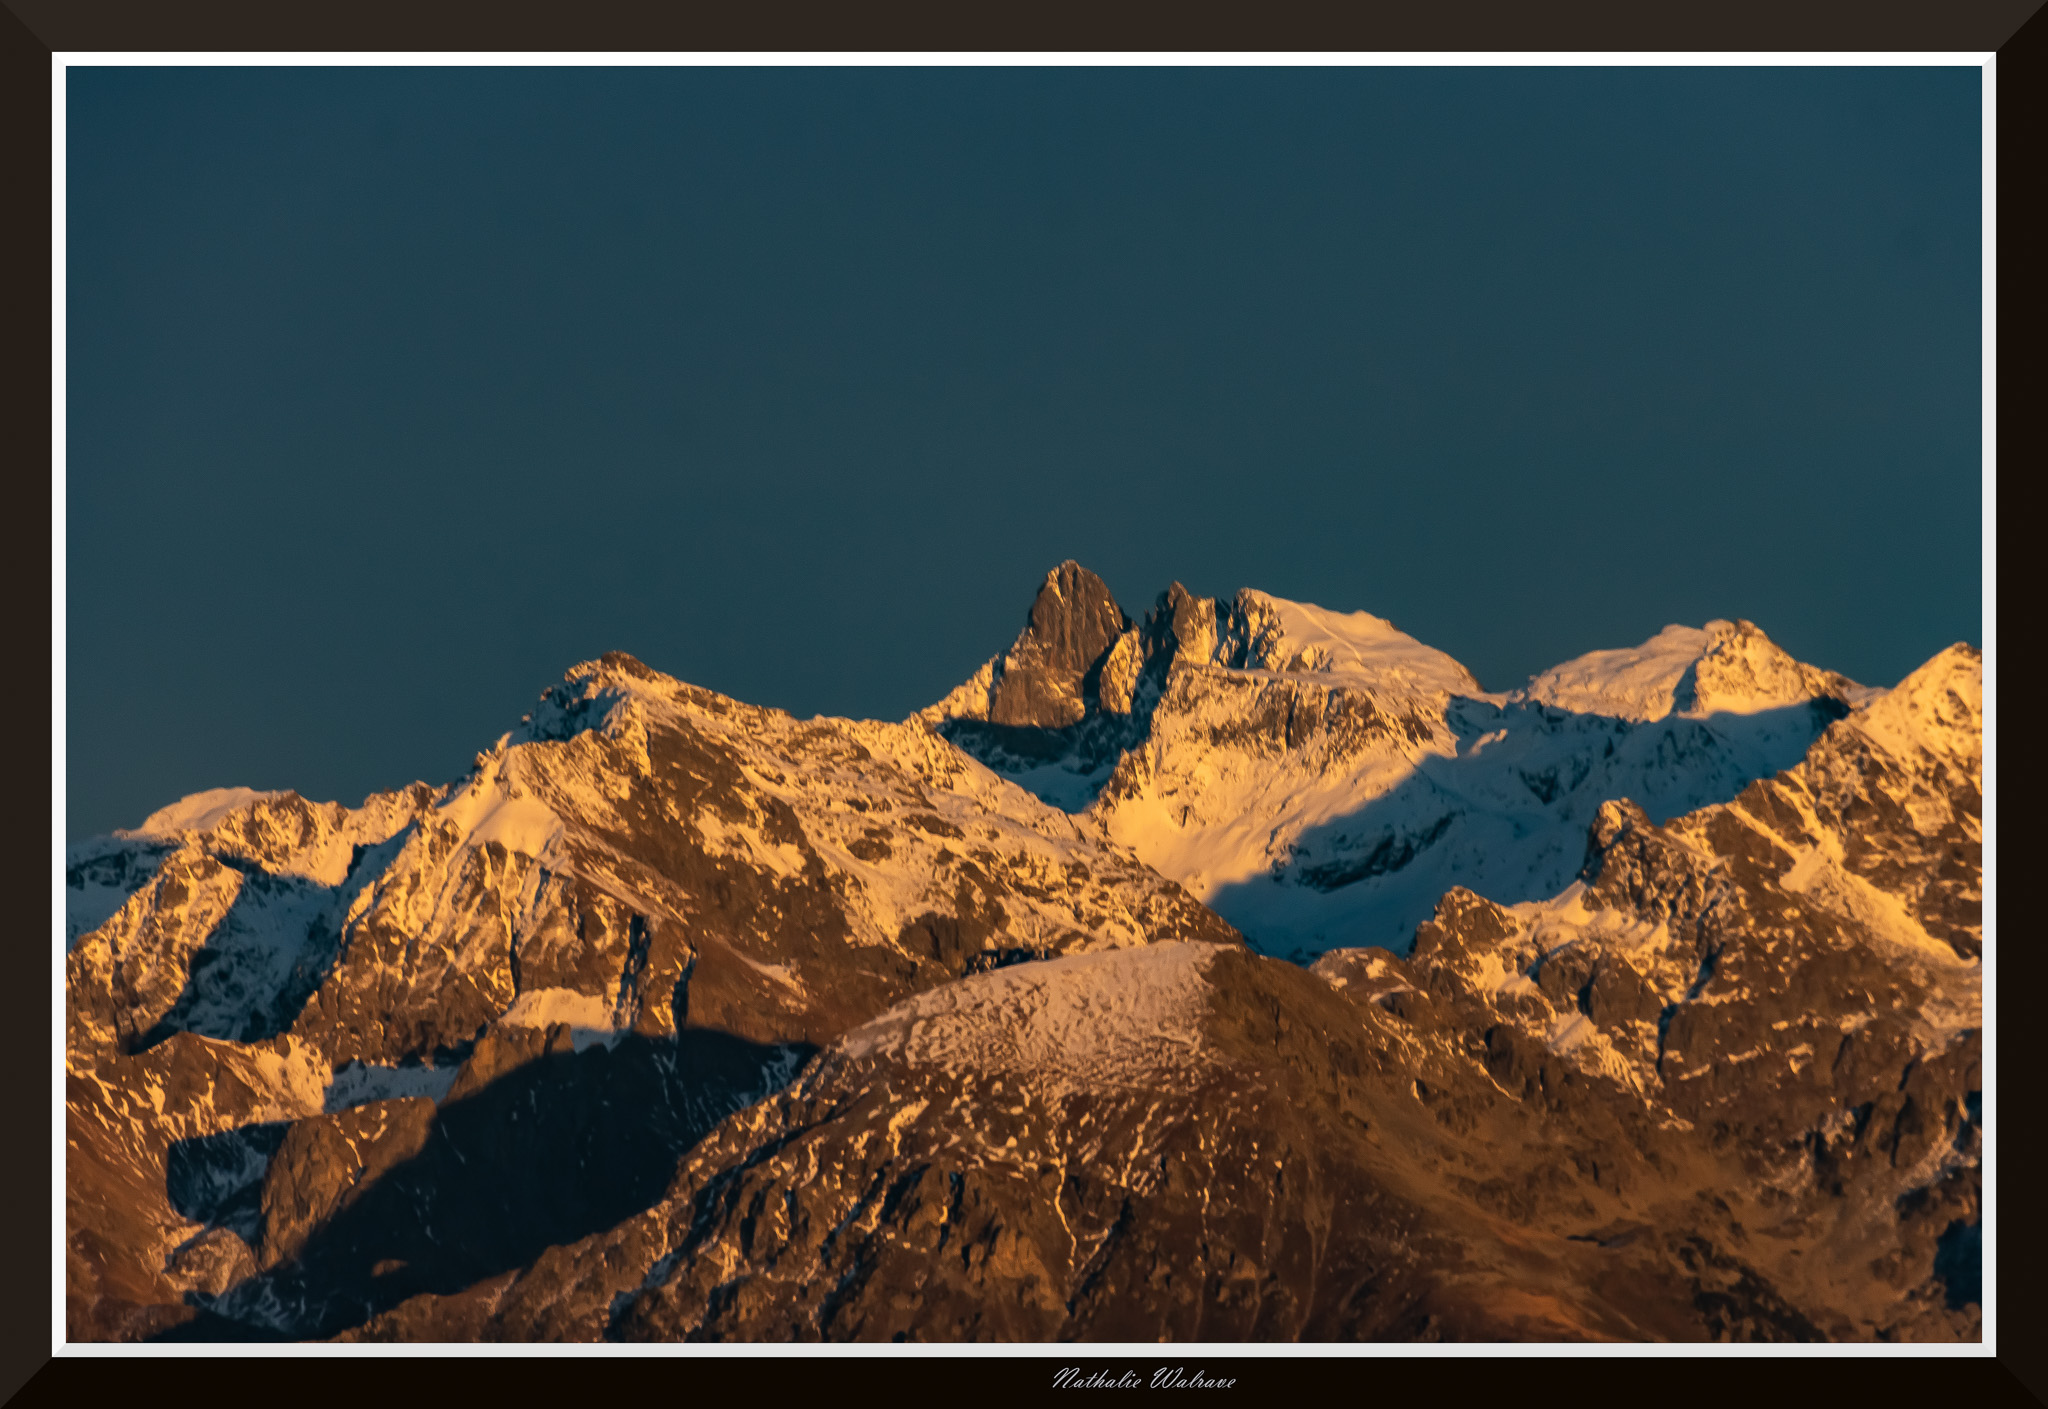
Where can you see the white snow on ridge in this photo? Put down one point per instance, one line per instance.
(1349, 647)
(1117, 1017)
(197, 812)
(1305, 845)
(1725, 667)
(1635, 682)
(1940, 706)
(287, 834)
(967, 700)
(877, 802)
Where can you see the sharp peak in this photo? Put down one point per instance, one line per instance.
(1720, 635)
(1067, 575)
(620, 679)
(1959, 652)
(629, 675)
(1957, 658)
(614, 664)
(1071, 569)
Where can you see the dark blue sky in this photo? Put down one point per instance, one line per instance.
(393, 393)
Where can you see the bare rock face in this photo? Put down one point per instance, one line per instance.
(211, 1264)
(1045, 680)
(1080, 679)
(323, 1162)
(161, 1149)
(1785, 981)
(1260, 1175)
(1059, 718)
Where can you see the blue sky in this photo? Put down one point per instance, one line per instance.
(393, 393)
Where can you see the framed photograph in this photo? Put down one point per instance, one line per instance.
(1138, 720)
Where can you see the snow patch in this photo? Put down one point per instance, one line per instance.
(358, 1085)
(198, 812)
(589, 1019)
(1822, 878)
(491, 809)
(544, 1007)
(1127, 1018)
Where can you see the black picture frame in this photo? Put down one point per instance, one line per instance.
(32, 31)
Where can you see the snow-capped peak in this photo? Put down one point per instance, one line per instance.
(1725, 667)
(199, 812)
(1264, 632)
(1939, 707)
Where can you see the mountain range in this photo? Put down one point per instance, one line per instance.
(1241, 972)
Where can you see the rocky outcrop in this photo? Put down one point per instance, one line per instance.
(1049, 675)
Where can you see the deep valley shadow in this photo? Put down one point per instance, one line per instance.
(562, 1145)
(218, 1179)
(1063, 766)
(1959, 1263)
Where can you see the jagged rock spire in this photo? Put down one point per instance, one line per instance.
(1044, 678)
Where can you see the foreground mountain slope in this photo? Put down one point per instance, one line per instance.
(1185, 1142)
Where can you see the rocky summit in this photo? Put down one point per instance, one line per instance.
(1243, 971)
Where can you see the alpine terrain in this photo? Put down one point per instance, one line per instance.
(1240, 972)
